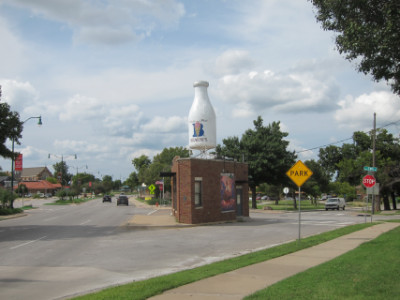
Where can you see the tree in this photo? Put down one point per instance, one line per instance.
(21, 190)
(7, 197)
(167, 155)
(266, 153)
(318, 183)
(141, 163)
(368, 33)
(107, 183)
(61, 171)
(349, 160)
(149, 172)
(83, 178)
(132, 181)
(10, 128)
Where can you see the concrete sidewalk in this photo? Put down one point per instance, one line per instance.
(245, 281)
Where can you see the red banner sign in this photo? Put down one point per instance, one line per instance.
(18, 163)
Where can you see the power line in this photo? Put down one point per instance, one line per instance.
(341, 141)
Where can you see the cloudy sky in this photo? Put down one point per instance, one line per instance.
(113, 80)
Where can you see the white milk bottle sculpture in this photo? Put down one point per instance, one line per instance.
(201, 120)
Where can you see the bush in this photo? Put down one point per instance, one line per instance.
(10, 211)
(6, 197)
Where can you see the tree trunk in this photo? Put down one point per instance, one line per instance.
(393, 200)
(386, 203)
(377, 203)
(253, 198)
(294, 201)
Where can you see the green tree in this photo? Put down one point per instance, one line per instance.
(51, 180)
(266, 153)
(10, 128)
(83, 178)
(367, 32)
(149, 171)
(132, 181)
(6, 198)
(344, 189)
(117, 184)
(349, 160)
(107, 183)
(318, 183)
(61, 170)
(329, 157)
(141, 163)
(167, 155)
(21, 190)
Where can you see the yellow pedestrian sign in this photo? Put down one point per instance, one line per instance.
(299, 173)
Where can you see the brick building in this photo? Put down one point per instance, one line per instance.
(209, 190)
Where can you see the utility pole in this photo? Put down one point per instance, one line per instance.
(373, 159)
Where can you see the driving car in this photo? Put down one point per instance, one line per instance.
(335, 203)
(122, 199)
(107, 198)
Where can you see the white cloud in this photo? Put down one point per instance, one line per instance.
(357, 113)
(19, 95)
(12, 50)
(233, 62)
(81, 108)
(120, 21)
(160, 124)
(280, 92)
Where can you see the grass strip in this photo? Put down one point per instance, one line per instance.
(146, 288)
(370, 271)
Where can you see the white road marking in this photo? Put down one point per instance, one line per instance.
(152, 212)
(27, 243)
(83, 223)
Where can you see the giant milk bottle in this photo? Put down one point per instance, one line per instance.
(201, 120)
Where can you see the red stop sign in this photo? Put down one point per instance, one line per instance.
(369, 181)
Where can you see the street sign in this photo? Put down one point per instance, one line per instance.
(286, 190)
(371, 169)
(299, 173)
(369, 181)
(152, 187)
(374, 190)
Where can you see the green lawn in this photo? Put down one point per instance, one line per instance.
(288, 205)
(371, 271)
(147, 288)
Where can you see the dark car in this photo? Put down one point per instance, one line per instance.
(122, 199)
(107, 198)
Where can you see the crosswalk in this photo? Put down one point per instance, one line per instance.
(325, 223)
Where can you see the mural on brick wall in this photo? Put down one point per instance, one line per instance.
(228, 197)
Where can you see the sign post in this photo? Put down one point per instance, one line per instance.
(299, 173)
(369, 182)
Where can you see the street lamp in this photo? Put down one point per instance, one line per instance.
(12, 149)
(62, 163)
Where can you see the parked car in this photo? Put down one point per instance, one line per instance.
(107, 198)
(122, 199)
(335, 203)
(265, 197)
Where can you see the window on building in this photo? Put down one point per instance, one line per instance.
(197, 192)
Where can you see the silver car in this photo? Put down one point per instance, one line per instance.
(335, 203)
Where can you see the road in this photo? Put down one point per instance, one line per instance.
(56, 252)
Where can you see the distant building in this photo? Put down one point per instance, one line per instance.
(5, 181)
(35, 174)
(41, 186)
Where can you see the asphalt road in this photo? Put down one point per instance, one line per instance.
(56, 252)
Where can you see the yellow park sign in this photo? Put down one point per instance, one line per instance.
(299, 173)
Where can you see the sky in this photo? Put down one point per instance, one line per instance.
(113, 80)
